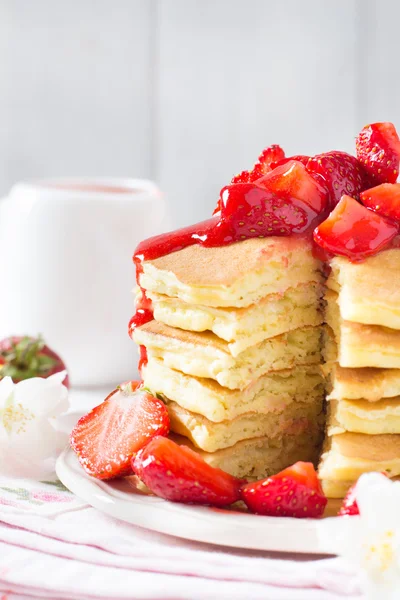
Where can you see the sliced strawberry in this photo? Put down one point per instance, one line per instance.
(291, 180)
(179, 474)
(268, 156)
(25, 357)
(354, 231)
(383, 199)
(349, 505)
(378, 149)
(294, 492)
(249, 210)
(106, 439)
(342, 172)
(299, 157)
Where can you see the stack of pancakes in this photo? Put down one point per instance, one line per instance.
(234, 350)
(363, 367)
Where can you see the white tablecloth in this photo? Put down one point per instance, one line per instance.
(53, 545)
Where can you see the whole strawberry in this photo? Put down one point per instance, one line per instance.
(26, 357)
(342, 173)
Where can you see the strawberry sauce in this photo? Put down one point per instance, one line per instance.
(313, 197)
(203, 233)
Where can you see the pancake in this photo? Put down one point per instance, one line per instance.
(271, 392)
(209, 436)
(260, 457)
(369, 291)
(235, 275)
(368, 383)
(360, 345)
(244, 327)
(347, 455)
(365, 417)
(205, 355)
(333, 488)
(337, 489)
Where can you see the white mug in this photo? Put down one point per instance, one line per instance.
(66, 249)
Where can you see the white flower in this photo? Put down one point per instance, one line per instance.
(29, 439)
(371, 541)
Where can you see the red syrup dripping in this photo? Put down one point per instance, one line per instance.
(207, 233)
(248, 211)
(143, 314)
(142, 358)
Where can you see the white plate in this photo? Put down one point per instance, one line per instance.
(202, 524)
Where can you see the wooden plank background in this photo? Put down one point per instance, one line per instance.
(187, 92)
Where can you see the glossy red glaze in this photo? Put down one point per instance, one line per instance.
(354, 231)
(141, 317)
(383, 199)
(292, 181)
(166, 243)
(142, 358)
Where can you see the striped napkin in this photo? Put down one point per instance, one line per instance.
(53, 545)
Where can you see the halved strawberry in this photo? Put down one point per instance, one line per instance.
(383, 199)
(349, 505)
(294, 492)
(378, 149)
(179, 474)
(291, 180)
(354, 231)
(106, 439)
(269, 155)
(249, 210)
(341, 171)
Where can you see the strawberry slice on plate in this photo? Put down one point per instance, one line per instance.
(291, 180)
(342, 173)
(378, 149)
(179, 474)
(383, 199)
(106, 439)
(354, 231)
(294, 492)
(25, 357)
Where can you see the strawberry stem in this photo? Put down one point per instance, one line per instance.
(24, 359)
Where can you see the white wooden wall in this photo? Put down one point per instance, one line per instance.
(187, 92)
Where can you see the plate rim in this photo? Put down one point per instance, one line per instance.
(197, 523)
